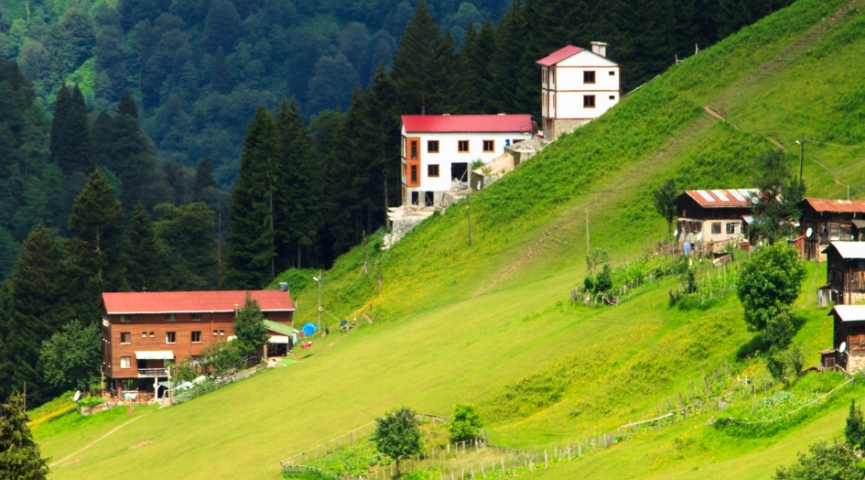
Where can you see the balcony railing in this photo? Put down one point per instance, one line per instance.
(152, 372)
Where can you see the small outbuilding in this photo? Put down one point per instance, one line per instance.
(825, 221)
(845, 273)
(849, 337)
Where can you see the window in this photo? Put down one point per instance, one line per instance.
(125, 362)
(196, 337)
(125, 319)
(432, 171)
(588, 101)
(612, 73)
(414, 174)
(125, 337)
(215, 333)
(432, 146)
(143, 334)
(222, 332)
(589, 76)
(151, 334)
(731, 227)
(716, 227)
(414, 149)
(612, 97)
(170, 337)
(196, 317)
(170, 317)
(489, 145)
(463, 146)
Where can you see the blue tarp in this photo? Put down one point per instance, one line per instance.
(309, 329)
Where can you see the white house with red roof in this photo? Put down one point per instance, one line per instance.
(711, 219)
(577, 86)
(437, 149)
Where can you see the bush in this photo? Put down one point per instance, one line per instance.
(835, 461)
(466, 423)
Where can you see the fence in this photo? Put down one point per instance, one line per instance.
(179, 396)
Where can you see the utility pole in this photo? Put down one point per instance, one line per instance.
(587, 230)
(365, 261)
(320, 280)
(801, 156)
(469, 216)
(220, 273)
(272, 239)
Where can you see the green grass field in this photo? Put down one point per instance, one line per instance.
(492, 324)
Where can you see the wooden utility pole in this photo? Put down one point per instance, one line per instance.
(801, 156)
(320, 280)
(469, 216)
(587, 230)
(365, 261)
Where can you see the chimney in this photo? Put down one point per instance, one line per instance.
(599, 48)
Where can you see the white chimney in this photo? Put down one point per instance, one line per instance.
(599, 48)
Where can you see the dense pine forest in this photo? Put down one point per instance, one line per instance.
(183, 145)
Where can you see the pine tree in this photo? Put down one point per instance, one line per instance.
(37, 307)
(187, 234)
(203, 178)
(249, 327)
(19, 453)
(504, 71)
(219, 73)
(414, 63)
(854, 431)
(143, 254)
(95, 264)
(297, 207)
(70, 137)
(250, 247)
(131, 153)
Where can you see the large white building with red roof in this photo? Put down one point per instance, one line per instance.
(577, 86)
(436, 149)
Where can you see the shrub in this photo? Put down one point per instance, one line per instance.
(836, 461)
(466, 423)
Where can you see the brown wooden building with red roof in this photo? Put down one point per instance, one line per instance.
(143, 330)
(825, 221)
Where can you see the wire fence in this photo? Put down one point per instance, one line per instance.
(187, 391)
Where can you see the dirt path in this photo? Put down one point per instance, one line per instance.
(85, 447)
(719, 117)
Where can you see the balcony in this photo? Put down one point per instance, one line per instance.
(152, 372)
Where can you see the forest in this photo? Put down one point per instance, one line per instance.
(184, 145)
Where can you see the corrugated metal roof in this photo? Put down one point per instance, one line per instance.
(836, 206)
(279, 327)
(559, 55)
(850, 313)
(848, 250)
(723, 198)
(117, 303)
(516, 123)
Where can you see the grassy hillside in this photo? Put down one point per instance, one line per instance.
(491, 323)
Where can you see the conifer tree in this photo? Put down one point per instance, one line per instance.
(20, 457)
(203, 178)
(219, 73)
(95, 263)
(143, 254)
(70, 137)
(131, 153)
(250, 247)
(298, 182)
(249, 327)
(414, 63)
(187, 234)
(506, 74)
(37, 306)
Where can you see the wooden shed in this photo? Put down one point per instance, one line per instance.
(849, 336)
(845, 272)
(825, 221)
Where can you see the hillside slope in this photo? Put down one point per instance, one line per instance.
(491, 323)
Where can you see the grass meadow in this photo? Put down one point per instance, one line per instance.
(492, 323)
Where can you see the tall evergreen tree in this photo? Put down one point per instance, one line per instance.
(414, 63)
(505, 72)
(143, 254)
(297, 208)
(187, 234)
(95, 263)
(203, 178)
(70, 137)
(19, 453)
(250, 247)
(37, 308)
(132, 154)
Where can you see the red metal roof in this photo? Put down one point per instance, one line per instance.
(836, 206)
(724, 198)
(559, 55)
(501, 123)
(193, 302)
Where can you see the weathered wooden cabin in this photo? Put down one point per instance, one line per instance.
(845, 274)
(825, 221)
(711, 219)
(849, 338)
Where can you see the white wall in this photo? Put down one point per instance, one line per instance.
(567, 86)
(449, 154)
